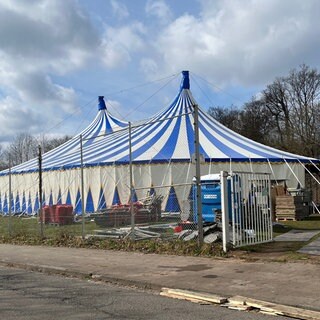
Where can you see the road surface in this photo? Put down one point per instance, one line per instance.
(33, 295)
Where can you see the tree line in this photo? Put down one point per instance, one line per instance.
(25, 147)
(285, 115)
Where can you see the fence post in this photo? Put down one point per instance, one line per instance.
(10, 200)
(224, 209)
(198, 173)
(82, 187)
(131, 183)
(40, 193)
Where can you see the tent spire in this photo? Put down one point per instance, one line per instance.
(185, 83)
(101, 104)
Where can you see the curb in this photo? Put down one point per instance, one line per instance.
(83, 275)
(234, 302)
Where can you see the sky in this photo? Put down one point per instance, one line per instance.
(58, 56)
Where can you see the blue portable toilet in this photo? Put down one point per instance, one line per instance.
(210, 197)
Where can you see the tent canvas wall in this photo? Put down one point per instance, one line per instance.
(162, 152)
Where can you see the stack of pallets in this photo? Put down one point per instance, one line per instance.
(291, 208)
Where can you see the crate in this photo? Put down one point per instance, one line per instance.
(63, 214)
(57, 214)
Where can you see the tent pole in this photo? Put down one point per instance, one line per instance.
(131, 183)
(82, 187)
(198, 173)
(40, 192)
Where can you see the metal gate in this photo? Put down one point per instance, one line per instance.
(251, 214)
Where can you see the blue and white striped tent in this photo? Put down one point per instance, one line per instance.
(67, 155)
(162, 152)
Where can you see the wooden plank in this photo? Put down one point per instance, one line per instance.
(239, 308)
(239, 300)
(237, 303)
(175, 296)
(196, 295)
(293, 312)
(242, 303)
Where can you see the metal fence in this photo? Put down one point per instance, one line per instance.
(164, 200)
(250, 208)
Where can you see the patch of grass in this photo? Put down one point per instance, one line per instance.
(159, 246)
(309, 223)
(30, 227)
(26, 231)
(275, 246)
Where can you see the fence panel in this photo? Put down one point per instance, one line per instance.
(251, 208)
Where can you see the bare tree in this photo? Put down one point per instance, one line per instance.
(252, 121)
(304, 99)
(48, 144)
(293, 102)
(23, 148)
(275, 98)
(229, 117)
(286, 116)
(3, 162)
(256, 122)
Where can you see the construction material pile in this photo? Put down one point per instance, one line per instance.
(291, 208)
(148, 210)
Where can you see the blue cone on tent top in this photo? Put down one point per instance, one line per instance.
(101, 104)
(66, 155)
(110, 123)
(185, 83)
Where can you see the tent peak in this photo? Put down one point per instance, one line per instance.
(185, 83)
(101, 104)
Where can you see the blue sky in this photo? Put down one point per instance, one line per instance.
(57, 56)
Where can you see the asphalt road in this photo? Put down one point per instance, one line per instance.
(32, 295)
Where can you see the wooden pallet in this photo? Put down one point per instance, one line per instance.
(290, 208)
(286, 219)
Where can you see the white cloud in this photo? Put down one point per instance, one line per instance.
(15, 119)
(119, 9)
(242, 42)
(45, 45)
(50, 34)
(119, 44)
(40, 39)
(149, 66)
(159, 9)
(38, 89)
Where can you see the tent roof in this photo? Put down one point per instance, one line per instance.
(168, 136)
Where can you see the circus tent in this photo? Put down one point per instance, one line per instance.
(162, 149)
